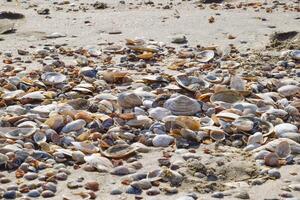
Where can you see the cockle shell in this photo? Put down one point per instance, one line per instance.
(182, 105)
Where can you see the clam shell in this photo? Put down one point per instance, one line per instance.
(140, 122)
(271, 146)
(192, 123)
(227, 96)
(3, 159)
(102, 164)
(191, 83)
(129, 100)
(53, 78)
(217, 135)
(205, 56)
(85, 147)
(272, 160)
(245, 123)
(39, 137)
(283, 149)
(182, 105)
(32, 97)
(295, 54)
(119, 151)
(20, 133)
(289, 90)
(115, 76)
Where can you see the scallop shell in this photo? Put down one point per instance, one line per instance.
(182, 105)
(32, 97)
(129, 100)
(105, 106)
(85, 147)
(227, 96)
(205, 56)
(119, 151)
(53, 78)
(191, 83)
(283, 149)
(20, 133)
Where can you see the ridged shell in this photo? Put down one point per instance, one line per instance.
(102, 164)
(182, 105)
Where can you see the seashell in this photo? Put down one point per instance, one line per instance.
(39, 137)
(271, 146)
(33, 97)
(289, 90)
(85, 147)
(11, 95)
(74, 126)
(237, 83)
(159, 113)
(206, 121)
(256, 138)
(146, 55)
(230, 64)
(243, 124)
(227, 116)
(106, 96)
(20, 133)
(205, 56)
(272, 160)
(129, 100)
(55, 122)
(295, 54)
(92, 185)
(192, 123)
(140, 122)
(182, 105)
(191, 83)
(86, 116)
(102, 164)
(88, 72)
(105, 106)
(227, 96)
(119, 151)
(212, 78)
(115, 76)
(283, 128)
(53, 78)
(162, 140)
(283, 149)
(290, 135)
(78, 156)
(250, 124)
(3, 159)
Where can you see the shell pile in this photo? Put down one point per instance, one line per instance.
(114, 105)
